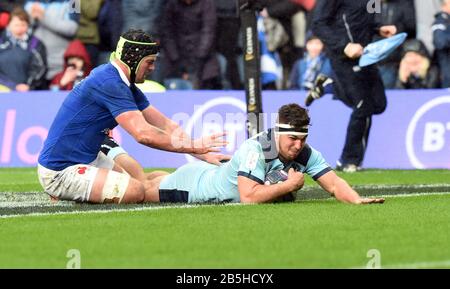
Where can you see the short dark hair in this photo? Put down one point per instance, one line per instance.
(294, 115)
(19, 13)
(415, 45)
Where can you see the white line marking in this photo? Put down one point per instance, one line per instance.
(413, 195)
(114, 210)
(393, 196)
(186, 206)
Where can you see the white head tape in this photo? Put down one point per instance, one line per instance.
(287, 129)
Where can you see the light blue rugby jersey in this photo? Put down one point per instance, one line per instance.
(89, 109)
(254, 159)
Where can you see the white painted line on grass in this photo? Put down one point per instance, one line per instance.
(185, 206)
(412, 195)
(139, 209)
(424, 194)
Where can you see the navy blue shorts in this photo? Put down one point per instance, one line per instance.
(173, 196)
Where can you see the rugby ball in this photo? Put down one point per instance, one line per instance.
(279, 176)
(275, 177)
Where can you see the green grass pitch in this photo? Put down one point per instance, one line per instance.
(411, 230)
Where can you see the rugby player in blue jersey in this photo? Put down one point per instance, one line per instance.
(71, 165)
(253, 175)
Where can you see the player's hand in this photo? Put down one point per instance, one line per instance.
(353, 50)
(365, 201)
(210, 143)
(37, 11)
(404, 71)
(215, 159)
(264, 13)
(70, 74)
(295, 180)
(22, 87)
(388, 30)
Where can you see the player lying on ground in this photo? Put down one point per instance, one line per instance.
(254, 172)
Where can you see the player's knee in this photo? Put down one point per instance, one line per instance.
(152, 190)
(135, 192)
(155, 174)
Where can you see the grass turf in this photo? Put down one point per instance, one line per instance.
(305, 234)
(25, 179)
(315, 233)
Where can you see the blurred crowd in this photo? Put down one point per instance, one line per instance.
(53, 44)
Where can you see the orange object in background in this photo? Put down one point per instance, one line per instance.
(307, 4)
(4, 19)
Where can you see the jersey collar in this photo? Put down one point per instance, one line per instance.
(121, 73)
(268, 145)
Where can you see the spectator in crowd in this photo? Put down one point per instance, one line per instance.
(146, 15)
(77, 65)
(55, 23)
(9, 5)
(424, 20)
(416, 70)
(110, 23)
(402, 14)
(346, 27)
(88, 30)
(283, 11)
(441, 41)
(6, 6)
(227, 42)
(22, 55)
(313, 63)
(271, 68)
(188, 42)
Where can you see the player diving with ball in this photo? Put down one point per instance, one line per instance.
(265, 168)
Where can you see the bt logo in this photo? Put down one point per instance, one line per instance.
(434, 136)
(428, 135)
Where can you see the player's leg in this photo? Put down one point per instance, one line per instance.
(123, 161)
(134, 169)
(181, 186)
(113, 187)
(131, 166)
(152, 189)
(170, 188)
(152, 175)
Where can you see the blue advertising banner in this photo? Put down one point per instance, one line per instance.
(414, 131)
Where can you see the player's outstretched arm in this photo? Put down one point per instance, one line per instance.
(154, 117)
(253, 192)
(342, 191)
(144, 133)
